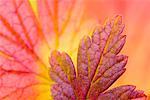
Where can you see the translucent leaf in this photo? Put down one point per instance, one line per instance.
(24, 49)
(22, 71)
(59, 18)
(98, 66)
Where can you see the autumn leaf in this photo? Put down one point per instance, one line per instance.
(26, 39)
(23, 72)
(59, 18)
(99, 65)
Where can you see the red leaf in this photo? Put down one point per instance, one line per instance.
(123, 92)
(20, 65)
(63, 73)
(58, 18)
(98, 67)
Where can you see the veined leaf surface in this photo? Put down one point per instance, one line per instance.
(99, 65)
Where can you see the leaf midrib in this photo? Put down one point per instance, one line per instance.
(100, 60)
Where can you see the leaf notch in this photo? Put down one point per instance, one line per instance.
(98, 66)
